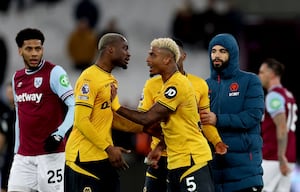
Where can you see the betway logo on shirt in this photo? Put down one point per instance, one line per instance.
(24, 97)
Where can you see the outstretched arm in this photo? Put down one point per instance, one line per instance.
(155, 114)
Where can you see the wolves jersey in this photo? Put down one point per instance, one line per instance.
(153, 88)
(183, 137)
(91, 133)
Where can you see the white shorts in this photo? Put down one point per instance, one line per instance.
(43, 173)
(274, 181)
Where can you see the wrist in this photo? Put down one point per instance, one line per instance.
(216, 143)
(161, 145)
(107, 149)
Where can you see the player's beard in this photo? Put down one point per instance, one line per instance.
(153, 74)
(222, 66)
(121, 65)
(33, 68)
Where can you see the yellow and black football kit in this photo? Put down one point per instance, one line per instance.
(152, 89)
(183, 137)
(155, 180)
(188, 150)
(91, 133)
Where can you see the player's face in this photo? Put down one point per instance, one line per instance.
(156, 59)
(264, 75)
(219, 56)
(121, 54)
(32, 53)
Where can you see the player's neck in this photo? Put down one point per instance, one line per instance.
(105, 67)
(274, 83)
(167, 75)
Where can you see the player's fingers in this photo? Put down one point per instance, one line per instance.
(125, 150)
(125, 165)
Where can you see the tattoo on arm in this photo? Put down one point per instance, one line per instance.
(282, 130)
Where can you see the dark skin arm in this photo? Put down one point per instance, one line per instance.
(115, 157)
(156, 113)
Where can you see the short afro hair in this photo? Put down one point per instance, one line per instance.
(27, 34)
(109, 38)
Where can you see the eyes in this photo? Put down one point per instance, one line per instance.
(29, 49)
(125, 47)
(223, 51)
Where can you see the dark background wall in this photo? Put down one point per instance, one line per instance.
(269, 8)
(278, 38)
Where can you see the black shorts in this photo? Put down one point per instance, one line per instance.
(77, 182)
(157, 181)
(199, 180)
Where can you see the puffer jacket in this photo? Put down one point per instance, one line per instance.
(237, 98)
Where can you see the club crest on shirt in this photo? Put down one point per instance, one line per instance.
(19, 84)
(38, 82)
(234, 89)
(171, 92)
(85, 89)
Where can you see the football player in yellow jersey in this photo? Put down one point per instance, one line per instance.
(91, 157)
(155, 180)
(177, 109)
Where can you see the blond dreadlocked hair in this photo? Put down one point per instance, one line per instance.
(169, 44)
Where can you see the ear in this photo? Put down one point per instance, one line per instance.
(167, 60)
(183, 56)
(110, 49)
(20, 51)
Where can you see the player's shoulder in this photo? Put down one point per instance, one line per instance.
(93, 75)
(274, 96)
(51, 65)
(195, 78)
(54, 68)
(154, 80)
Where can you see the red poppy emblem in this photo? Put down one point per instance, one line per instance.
(234, 87)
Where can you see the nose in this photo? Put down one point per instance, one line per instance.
(217, 54)
(34, 52)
